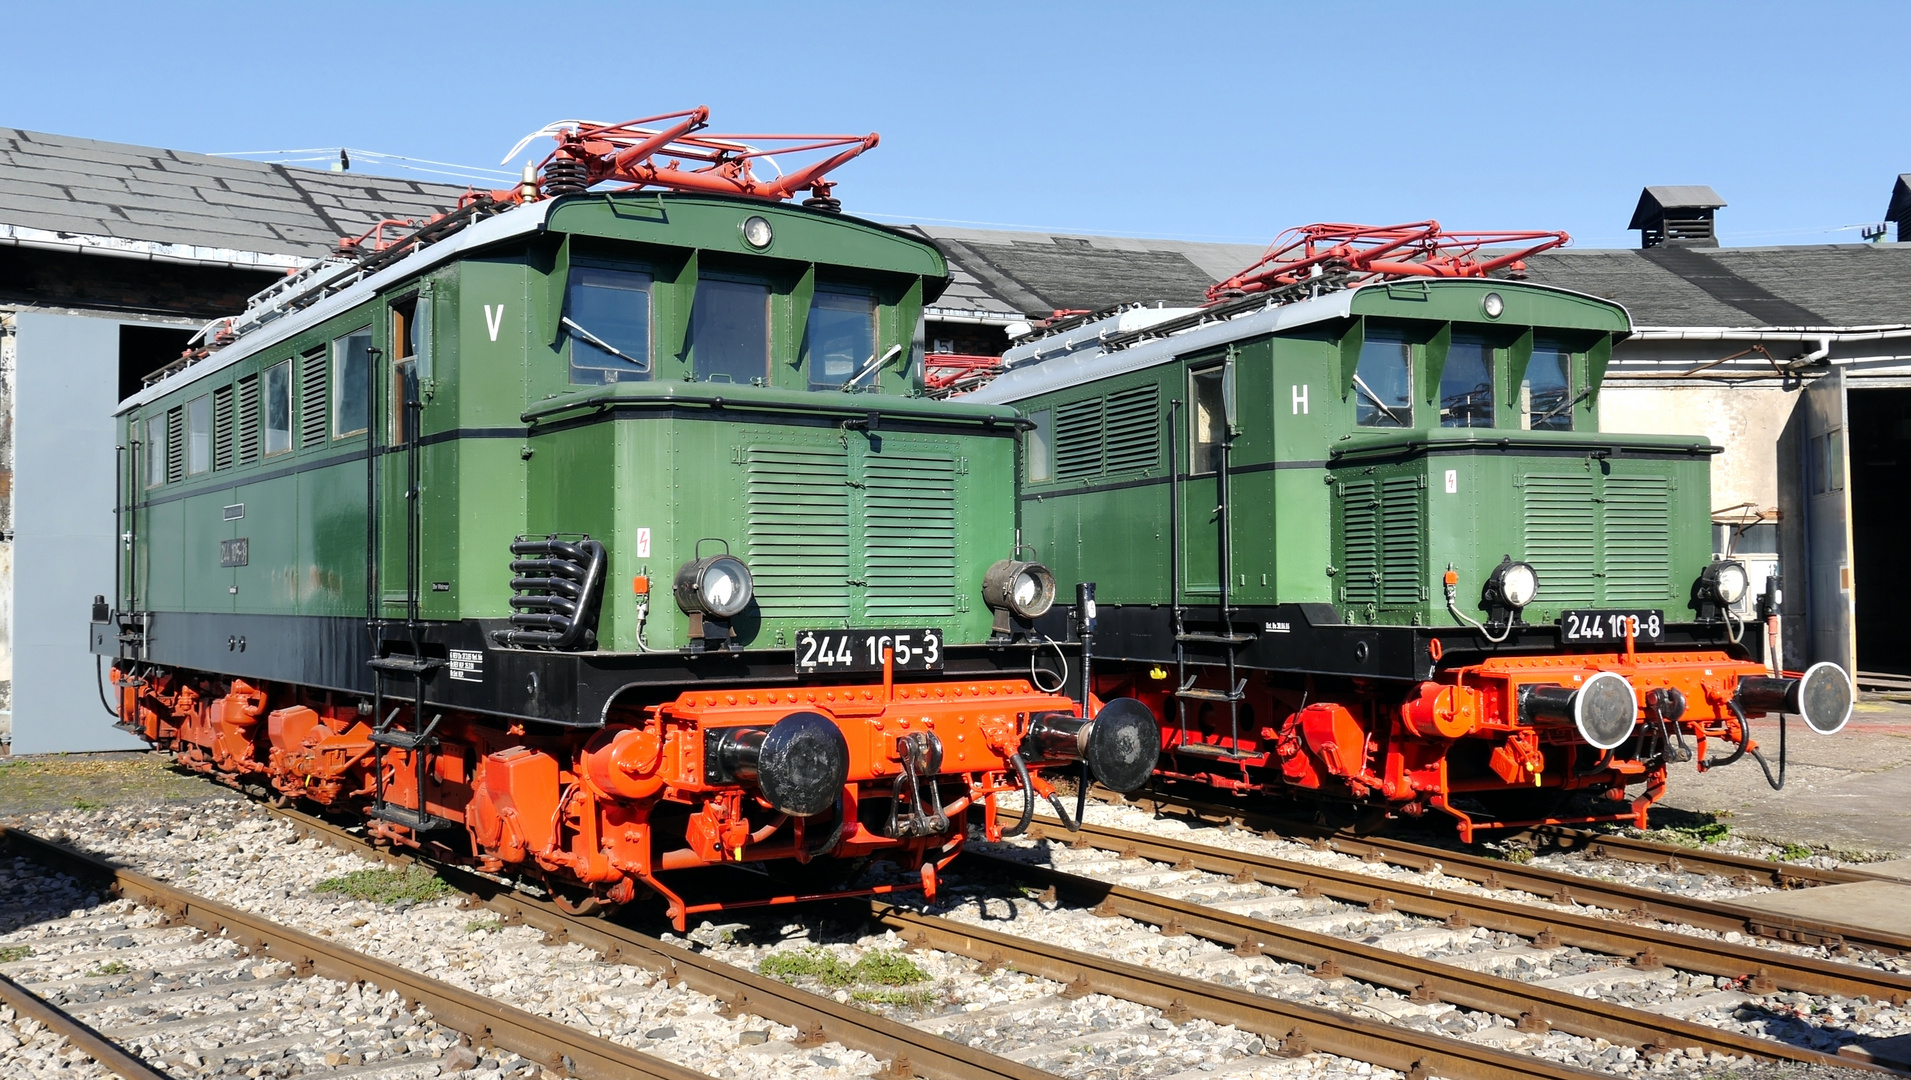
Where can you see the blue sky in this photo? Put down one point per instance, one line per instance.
(1213, 121)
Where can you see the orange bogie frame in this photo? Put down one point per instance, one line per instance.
(1462, 734)
(602, 815)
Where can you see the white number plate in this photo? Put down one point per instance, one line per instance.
(862, 650)
(1610, 625)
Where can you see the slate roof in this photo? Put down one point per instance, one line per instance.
(1031, 273)
(62, 184)
(1795, 285)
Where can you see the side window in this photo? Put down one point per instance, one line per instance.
(1383, 384)
(840, 338)
(1546, 394)
(1466, 386)
(607, 317)
(156, 451)
(1037, 446)
(730, 331)
(198, 435)
(351, 375)
(278, 408)
(1207, 418)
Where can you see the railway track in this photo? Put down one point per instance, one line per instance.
(1288, 1029)
(301, 958)
(1530, 1005)
(1761, 969)
(1635, 902)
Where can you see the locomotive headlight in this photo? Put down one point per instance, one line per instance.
(719, 585)
(1725, 581)
(1025, 588)
(756, 232)
(1493, 305)
(1514, 583)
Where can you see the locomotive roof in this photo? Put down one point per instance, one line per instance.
(518, 221)
(1080, 355)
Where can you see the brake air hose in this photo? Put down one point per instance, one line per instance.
(1028, 798)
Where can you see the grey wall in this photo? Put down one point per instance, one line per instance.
(66, 383)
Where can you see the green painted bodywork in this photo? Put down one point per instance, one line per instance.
(1364, 519)
(877, 508)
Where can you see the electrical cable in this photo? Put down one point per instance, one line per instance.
(1454, 608)
(1037, 679)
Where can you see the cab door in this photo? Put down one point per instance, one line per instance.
(1205, 415)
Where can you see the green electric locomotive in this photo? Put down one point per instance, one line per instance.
(1356, 533)
(592, 535)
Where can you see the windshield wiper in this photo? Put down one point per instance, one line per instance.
(1561, 407)
(567, 323)
(873, 364)
(1375, 398)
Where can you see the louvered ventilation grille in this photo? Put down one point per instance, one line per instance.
(909, 535)
(312, 415)
(1400, 535)
(1560, 531)
(1078, 439)
(1133, 437)
(1360, 532)
(248, 439)
(222, 428)
(175, 444)
(797, 521)
(1637, 539)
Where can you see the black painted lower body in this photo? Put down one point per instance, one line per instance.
(1309, 639)
(571, 689)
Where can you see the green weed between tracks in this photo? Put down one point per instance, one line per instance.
(876, 968)
(413, 885)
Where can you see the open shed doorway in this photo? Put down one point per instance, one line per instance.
(1880, 422)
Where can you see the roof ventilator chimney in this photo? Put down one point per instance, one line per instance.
(1899, 212)
(1678, 215)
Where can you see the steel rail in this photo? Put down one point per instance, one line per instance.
(1531, 1006)
(1298, 1029)
(487, 1022)
(1764, 969)
(819, 1019)
(110, 1055)
(1714, 915)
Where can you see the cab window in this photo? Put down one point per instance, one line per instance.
(840, 338)
(1546, 393)
(730, 331)
(1383, 383)
(1208, 419)
(405, 333)
(607, 316)
(1466, 386)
